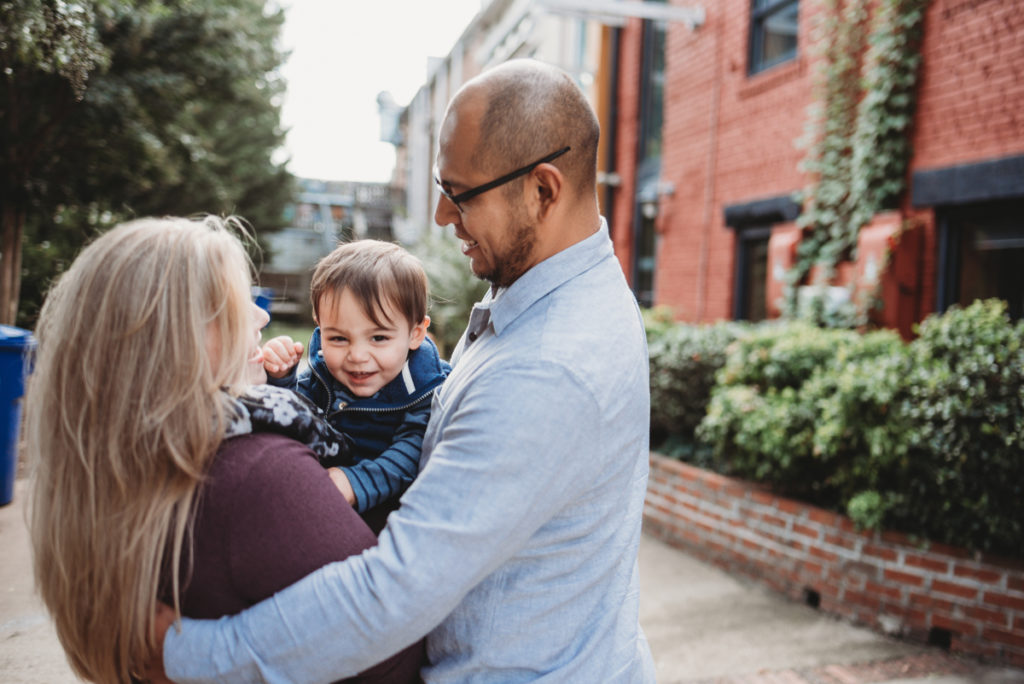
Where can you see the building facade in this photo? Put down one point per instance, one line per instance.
(701, 178)
(705, 217)
(548, 30)
(323, 214)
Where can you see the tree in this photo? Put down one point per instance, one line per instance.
(47, 51)
(181, 117)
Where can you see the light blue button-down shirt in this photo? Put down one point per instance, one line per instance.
(516, 547)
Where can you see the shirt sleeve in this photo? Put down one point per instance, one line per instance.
(386, 476)
(512, 453)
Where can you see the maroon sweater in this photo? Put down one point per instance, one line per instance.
(268, 516)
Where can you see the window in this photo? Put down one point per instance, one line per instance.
(981, 256)
(652, 109)
(773, 33)
(753, 221)
(648, 174)
(646, 258)
(750, 291)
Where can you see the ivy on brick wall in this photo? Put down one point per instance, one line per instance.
(858, 134)
(881, 142)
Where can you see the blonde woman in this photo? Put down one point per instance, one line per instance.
(155, 476)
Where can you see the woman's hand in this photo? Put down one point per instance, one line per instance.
(154, 670)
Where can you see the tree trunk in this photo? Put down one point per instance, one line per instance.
(12, 223)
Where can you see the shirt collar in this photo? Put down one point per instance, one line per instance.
(547, 276)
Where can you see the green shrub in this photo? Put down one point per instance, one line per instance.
(683, 362)
(778, 355)
(867, 509)
(764, 421)
(453, 288)
(658, 321)
(763, 436)
(926, 438)
(859, 431)
(963, 479)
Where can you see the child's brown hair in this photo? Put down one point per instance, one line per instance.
(379, 274)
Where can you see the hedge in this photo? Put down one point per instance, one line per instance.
(926, 437)
(684, 360)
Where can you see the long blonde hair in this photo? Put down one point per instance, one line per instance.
(123, 413)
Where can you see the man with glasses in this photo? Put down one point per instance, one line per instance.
(515, 550)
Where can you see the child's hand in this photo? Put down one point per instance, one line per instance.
(280, 354)
(340, 481)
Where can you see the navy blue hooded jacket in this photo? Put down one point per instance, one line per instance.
(386, 429)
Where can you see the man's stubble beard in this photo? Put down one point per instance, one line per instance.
(515, 261)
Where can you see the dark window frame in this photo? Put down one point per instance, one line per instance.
(951, 222)
(746, 236)
(648, 169)
(758, 18)
(754, 221)
(982, 190)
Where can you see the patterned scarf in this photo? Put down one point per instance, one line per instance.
(265, 408)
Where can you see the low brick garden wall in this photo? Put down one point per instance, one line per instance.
(966, 602)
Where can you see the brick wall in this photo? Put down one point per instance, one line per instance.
(729, 137)
(938, 593)
(971, 95)
(970, 99)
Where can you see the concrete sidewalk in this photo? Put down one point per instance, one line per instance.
(703, 625)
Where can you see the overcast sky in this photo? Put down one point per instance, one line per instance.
(343, 53)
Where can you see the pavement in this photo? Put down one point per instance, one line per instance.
(704, 627)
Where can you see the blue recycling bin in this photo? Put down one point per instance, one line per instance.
(263, 296)
(16, 347)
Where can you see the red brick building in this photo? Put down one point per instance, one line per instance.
(701, 166)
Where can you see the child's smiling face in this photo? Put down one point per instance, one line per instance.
(359, 353)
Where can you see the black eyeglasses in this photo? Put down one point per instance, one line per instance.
(457, 200)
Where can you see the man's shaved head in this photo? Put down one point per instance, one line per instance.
(530, 110)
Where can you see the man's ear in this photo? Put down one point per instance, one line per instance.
(418, 333)
(544, 189)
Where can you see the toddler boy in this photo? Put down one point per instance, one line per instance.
(372, 368)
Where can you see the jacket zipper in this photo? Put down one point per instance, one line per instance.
(390, 409)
